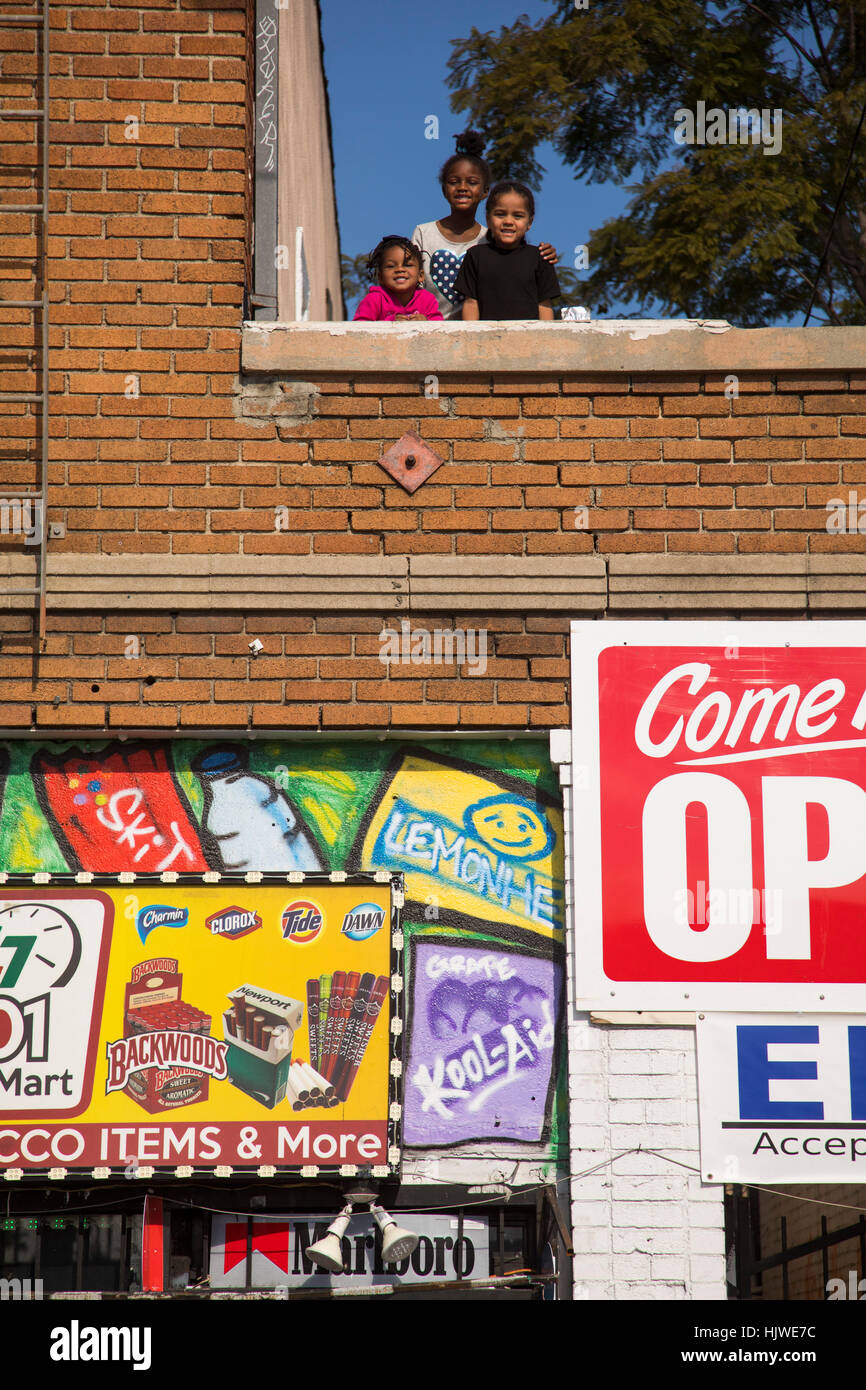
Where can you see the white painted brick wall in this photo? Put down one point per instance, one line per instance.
(644, 1227)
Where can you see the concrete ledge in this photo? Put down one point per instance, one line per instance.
(731, 582)
(616, 345)
(293, 583)
(440, 583)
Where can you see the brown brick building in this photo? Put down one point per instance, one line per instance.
(213, 478)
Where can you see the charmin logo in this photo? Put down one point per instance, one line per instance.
(164, 1048)
(302, 921)
(77, 1343)
(363, 921)
(233, 922)
(160, 915)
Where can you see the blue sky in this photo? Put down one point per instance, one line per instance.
(386, 65)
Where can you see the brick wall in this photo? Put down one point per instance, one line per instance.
(644, 1226)
(163, 672)
(199, 461)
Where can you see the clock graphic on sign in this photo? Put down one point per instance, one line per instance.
(40, 948)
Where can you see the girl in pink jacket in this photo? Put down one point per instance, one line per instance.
(398, 267)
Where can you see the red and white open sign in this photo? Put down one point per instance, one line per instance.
(719, 824)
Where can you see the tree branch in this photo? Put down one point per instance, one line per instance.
(826, 305)
(810, 57)
(830, 80)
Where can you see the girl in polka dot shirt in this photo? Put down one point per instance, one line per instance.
(465, 180)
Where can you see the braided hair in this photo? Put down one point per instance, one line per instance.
(377, 255)
(470, 146)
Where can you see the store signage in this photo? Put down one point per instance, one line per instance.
(719, 826)
(782, 1097)
(448, 1249)
(214, 1042)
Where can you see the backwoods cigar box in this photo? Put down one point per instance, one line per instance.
(260, 1028)
(167, 1055)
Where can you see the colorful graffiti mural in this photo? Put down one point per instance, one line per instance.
(478, 838)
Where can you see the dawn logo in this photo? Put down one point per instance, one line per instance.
(301, 922)
(363, 921)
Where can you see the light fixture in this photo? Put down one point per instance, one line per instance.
(397, 1242)
(328, 1252)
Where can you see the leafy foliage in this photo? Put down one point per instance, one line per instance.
(712, 231)
(355, 279)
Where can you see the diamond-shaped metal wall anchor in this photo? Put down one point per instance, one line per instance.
(410, 461)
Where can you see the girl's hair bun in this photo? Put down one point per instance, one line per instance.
(470, 142)
(470, 145)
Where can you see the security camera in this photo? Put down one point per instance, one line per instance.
(256, 646)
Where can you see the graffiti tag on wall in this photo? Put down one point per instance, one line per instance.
(479, 839)
(482, 1043)
(476, 841)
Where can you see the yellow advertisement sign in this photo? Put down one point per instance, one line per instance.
(195, 1024)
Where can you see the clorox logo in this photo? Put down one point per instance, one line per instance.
(363, 921)
(233, 922)
(302, 921)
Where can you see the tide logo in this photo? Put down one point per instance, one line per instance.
(302, 921)
(363, 921)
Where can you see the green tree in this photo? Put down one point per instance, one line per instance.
(355, 278)
(714, 230)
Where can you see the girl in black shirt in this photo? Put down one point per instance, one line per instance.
(502, 277)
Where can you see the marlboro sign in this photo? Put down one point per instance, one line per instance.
(241, 1052)
(719, 815)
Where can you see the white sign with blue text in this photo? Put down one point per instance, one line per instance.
(782, 1097)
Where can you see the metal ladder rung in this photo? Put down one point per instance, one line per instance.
(6, 112)
(21, 207)
(22, 18)
(22, 396)
(22, 304)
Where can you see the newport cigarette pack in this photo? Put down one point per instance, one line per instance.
(259, 1029)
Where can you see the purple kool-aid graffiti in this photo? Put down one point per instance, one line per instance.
(481, 1044)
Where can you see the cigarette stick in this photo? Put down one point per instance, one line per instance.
(292, 1092)
(319, 1082)
(230, 1023)
(265, 1039)
(343, 1083)
(313, 1020)
(359, 1009)
(350, 989)
(300, 1081)
(315, 1083)
(240, 1008)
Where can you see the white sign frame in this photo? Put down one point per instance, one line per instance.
(594, 989)
(728, 1142)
